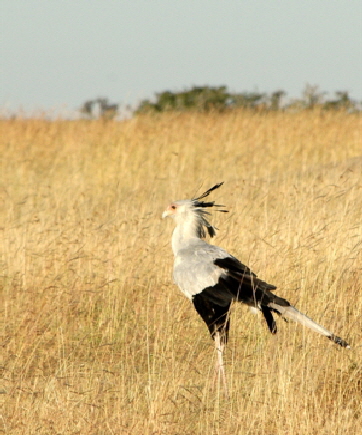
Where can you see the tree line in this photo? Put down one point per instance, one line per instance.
(218, 98)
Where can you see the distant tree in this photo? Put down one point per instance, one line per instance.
(166, 101)
(342, 102)
(312, 96)
(99, 108)
(200, 98)
(87, 108)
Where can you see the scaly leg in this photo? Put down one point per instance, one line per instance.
(219, 365)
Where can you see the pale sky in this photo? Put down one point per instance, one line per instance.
(60, 53)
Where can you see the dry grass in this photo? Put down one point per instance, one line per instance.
(97, 339)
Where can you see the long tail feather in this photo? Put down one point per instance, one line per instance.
(291, 312)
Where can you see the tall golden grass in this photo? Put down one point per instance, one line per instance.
(98, 340)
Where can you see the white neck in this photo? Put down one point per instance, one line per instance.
(184, 233)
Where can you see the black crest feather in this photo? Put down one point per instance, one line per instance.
(207, 193)
(203, 204)
(200, 205)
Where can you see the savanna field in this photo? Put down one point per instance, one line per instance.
(96, 337)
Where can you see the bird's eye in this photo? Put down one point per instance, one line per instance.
(173, 207)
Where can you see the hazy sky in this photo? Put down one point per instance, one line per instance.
(58, 53)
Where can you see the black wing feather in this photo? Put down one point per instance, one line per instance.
(237, 283)
(247, 288)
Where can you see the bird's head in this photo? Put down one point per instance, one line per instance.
(177, 209)
(194, 209)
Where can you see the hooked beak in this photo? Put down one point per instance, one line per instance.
(165, 214)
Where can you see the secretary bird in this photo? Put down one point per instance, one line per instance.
(212, 278)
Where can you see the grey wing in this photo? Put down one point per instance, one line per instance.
(195, 270)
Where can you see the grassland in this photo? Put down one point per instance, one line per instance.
(97, 339)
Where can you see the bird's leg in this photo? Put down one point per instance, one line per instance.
(219, 365)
